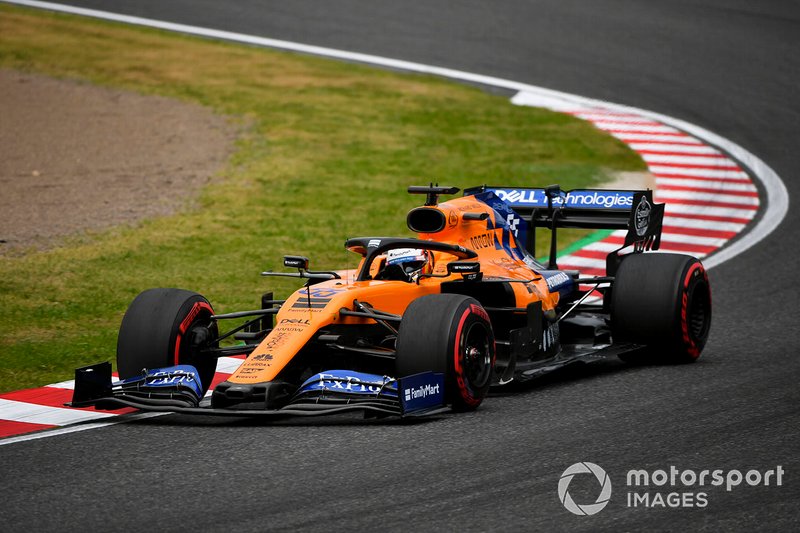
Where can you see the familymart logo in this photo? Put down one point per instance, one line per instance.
(663, 488)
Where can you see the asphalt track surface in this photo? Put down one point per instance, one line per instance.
(729, 66)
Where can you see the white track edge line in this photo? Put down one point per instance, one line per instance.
(74, 428)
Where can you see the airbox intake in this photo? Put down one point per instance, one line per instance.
(426, 220)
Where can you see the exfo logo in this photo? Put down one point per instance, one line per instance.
(587, 509)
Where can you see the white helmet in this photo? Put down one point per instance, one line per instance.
(406, 264)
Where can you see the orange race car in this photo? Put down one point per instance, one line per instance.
(422, 324)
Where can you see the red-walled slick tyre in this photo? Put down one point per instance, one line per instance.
(450, 334)
(166, 327)
(662, 301)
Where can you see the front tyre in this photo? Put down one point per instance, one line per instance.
(166, 327)
(449, 334)
(662, 301)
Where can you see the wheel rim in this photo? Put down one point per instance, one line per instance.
(477, 356)
(697, 314)
(196, 337)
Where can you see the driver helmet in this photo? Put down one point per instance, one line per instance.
(409, 262)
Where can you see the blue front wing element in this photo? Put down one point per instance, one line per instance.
(178, 389)
(181, 381)
(415, 394)
(348, 382)
(421, 392)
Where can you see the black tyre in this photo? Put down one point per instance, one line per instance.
(449, 334)
(166, 327)
(664, 302)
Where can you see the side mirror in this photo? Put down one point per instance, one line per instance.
(463, 267)
(295, 261)
(469, 270)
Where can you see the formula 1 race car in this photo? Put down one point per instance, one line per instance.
(423, 323)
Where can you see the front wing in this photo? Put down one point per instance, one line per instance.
(177, 390)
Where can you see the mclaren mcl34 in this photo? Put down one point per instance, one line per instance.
(423, 324)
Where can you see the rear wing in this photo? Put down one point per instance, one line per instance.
(550, 207)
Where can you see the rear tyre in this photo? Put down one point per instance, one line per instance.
(166, 327)
(449, 334)
(662, 301)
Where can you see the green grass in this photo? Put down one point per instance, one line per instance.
(326, 152)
